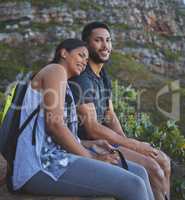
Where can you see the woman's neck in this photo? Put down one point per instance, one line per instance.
(63, 64)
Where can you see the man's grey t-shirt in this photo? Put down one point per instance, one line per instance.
(89, 88)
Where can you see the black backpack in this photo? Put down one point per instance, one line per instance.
(10, 130)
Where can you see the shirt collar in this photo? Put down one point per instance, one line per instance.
(90, 71)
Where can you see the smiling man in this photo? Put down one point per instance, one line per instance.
(92, 93)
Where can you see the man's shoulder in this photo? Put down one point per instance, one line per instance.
(83, 78)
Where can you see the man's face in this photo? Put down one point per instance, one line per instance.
(99, 45)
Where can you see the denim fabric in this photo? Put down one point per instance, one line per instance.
(100, 179)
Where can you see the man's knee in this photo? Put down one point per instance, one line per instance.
(154, 168)
(165, 162)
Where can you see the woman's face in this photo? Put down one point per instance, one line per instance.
(76, 61)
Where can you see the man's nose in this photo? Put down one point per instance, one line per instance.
(105, 45)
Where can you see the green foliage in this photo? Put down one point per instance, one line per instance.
(12, 62)
(121, 26)
(180, 12)
(132, 44)
(1, 115)
(1, 95)
(173, 38)
(139, 125)
(172, 56)
(126, 66)
(88, 5)
(49, 2)
(178, 190)
(1, 101)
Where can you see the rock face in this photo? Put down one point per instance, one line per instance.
(151, 30)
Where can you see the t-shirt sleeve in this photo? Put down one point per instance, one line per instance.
(82, 89)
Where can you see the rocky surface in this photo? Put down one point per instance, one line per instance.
(150, 31)
(153, 30)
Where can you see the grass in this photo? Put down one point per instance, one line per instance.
(17, 58)
(121, 26)
(171, 55)
(88, 5)
(49, 2)
(36, 26)
(125, 66)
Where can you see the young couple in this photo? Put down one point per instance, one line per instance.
(59, 163)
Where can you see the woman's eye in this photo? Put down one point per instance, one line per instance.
(81, 55)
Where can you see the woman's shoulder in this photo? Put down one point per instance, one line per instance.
(51, 74)
(53, 68)
(53, 71)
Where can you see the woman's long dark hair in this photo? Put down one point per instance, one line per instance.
(69, 45)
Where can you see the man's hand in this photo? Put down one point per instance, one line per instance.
(146, 149)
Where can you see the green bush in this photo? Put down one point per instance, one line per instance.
(139, 125)
(172, 56)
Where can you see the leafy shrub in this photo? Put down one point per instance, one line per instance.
(139, 125)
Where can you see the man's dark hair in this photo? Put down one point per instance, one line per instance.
(90, 27)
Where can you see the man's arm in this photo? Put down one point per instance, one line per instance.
(112, 121)
(95, 130)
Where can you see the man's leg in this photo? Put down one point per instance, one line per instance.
(157, 176)
(165, 163)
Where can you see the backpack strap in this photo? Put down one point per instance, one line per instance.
(36, 111)
(19, 131)
(123, 161)
(35, 125)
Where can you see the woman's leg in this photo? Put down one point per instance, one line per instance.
(88, 177)
(141, 172)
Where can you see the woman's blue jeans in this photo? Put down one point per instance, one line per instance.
(91, 178)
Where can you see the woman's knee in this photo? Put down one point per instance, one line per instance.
(139, 187)
(142, 172)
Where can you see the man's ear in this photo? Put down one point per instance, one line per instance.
(63, 53)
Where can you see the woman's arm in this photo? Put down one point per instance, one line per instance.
(54, 83)
(54, 89)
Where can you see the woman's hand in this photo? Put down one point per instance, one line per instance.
(100, 147)
(102, 150)
(112, 158)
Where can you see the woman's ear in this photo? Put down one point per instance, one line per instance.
(63, 53)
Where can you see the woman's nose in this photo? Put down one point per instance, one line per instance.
(85, 60)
